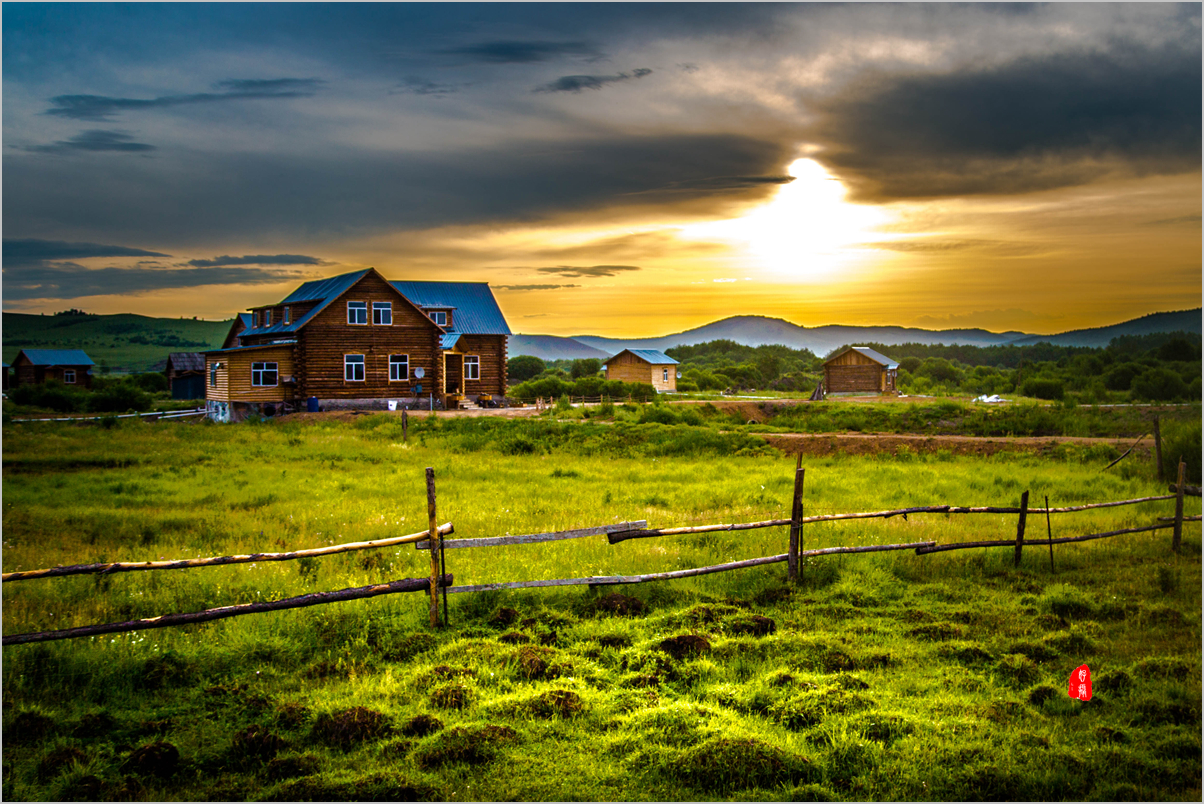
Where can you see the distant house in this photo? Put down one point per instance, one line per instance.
(357, 340)
(860, 369)
(69, 366)
(644, 365)
(186, 375)
(7, 372)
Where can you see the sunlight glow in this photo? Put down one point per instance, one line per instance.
(807, 232)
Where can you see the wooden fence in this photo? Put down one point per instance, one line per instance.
(432, 539)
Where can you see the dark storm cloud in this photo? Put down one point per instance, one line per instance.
(257, 259)
(723, 183)
(588, 270)
(1032, 124)
(422, 86)
(100, 107)
(281, 194)
(519, 52)
(95, 140)
(534, 287)
(68, 280)
(576, 83)
(37, 252)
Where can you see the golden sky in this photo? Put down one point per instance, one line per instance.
(1031, 168)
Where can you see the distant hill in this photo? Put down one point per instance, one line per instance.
(123, 342)
(1182, 320)
(552, 347)
(759, 331)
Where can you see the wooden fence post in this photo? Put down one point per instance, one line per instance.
(796, 525)
(1020, 525)
(435, 544)
(405, 426)
(1158, 449)
(1179, 507)
(1049, 530)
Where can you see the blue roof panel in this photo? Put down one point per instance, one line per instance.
(649, 356)
(323, 291)
(474, 309)
(58, 357)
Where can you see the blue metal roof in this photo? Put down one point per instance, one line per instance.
(877, 357)
(649, 356)
(448, 340)
(57, 357)
(323, 291)
(474, 309)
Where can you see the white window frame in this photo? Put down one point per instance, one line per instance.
(395, 362)
(360, 308)
(267, 317)
(472, 370)
(382, 314)
(349, 366)
(260, 368)
(287, 317)
(69, 376)
(213, 375)
(439, 317)
(665, 376)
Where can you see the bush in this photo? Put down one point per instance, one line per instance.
(152, 382)
(1159, 385)
(1044, 389)
(1120, 378)
(1181, 439)
(524, 367)
(119, 398)
(52, 395)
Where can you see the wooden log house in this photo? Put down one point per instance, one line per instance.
(68, 366)
(357, 340)
(859, 369)
(646, 366)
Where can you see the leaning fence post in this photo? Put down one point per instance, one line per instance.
(796, 516)
(1049, 530)
(1020, 525)
(1158, 449)
(405, 426)
(435, 543)
(1179, 507)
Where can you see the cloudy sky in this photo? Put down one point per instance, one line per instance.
(611, 169)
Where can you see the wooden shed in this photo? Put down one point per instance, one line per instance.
(644, 365)
(186, 375)
(859, 369)
(69, 366)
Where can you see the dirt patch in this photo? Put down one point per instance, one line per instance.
(292, 767)
(725, 765)
(614, 641)
(452, 696)
(351, 726)
(622, 605)
(514, 638)
(94, 724)
(473, 746)
(255, 744)
(156, 759)
(421, 725)
(534, 663)
(756, 625)
(86, 788)
(30, 727)
(504, 618)
(57, 760)
(685, 646)
(896, 443)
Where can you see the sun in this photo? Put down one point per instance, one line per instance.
(808, 231)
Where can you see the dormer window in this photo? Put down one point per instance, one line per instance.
(439, 317)
(267, 318)
(287, 317)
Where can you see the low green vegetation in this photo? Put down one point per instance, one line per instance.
(134, 393)
(885, 676)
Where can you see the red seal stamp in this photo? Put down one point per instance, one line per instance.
(1080, 683)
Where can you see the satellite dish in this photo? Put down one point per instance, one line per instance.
(679, 375)
(420, 373)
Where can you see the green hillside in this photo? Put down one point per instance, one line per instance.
(122, 343)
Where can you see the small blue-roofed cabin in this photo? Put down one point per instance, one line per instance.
(859, 369)
(68, 366)
(644, 365)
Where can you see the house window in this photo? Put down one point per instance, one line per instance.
(399, 368)
(382, 313)
(439, 318)
(287, 317)
(357, 312)
(68, 376)
(472, 367)
(213, 375)
(353, 367)
(665, 378)
(263, 374)
(267, 318)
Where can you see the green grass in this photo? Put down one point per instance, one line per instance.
(885, 676)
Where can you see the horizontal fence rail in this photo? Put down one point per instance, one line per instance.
(168, 620)
(532, 538)
(162, 414)
(218, 561)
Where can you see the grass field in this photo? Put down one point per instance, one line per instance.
(885, 676)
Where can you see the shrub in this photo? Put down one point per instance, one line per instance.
(119, 398)
(524, 367)
(1041, 388)
(52, 395)
(1181, 439)
(152, 382)
(1159, 385)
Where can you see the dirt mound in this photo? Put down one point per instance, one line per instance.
(685, 646)
(755, 625)
(421, 725)
(351, 726)
(556, 703)
(156, 759)
(622, 605)
(255, 744)
(474, 746)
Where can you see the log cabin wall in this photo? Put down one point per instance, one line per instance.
(234, 375)
(26, 373)
(327, 337)
(628, 368)
(853, 371)
(491, 349)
